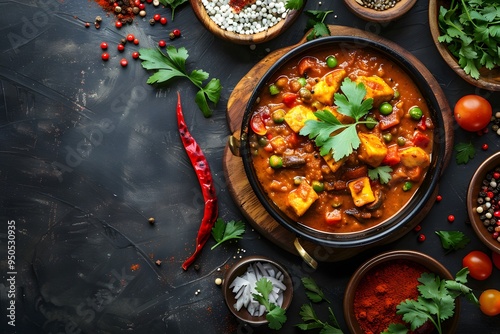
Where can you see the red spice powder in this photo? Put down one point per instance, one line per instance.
(381, 290)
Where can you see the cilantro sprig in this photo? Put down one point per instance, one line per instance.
(223, 232)
(313, 291)
(471, 30)
(275, 314)
(381, 173)
(316, 23)
(173, 4)
(435, 303)
(465, 152)
(453, 240)
(172, 64)
(330, 134)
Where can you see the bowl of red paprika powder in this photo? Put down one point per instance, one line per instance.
(382, 283)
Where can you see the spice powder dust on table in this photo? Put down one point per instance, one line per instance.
(381, 290)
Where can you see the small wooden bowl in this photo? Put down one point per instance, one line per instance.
(472, 193)
(239, 269)
(261, 37)
(380, 16)
(432, 265)
(489, 79)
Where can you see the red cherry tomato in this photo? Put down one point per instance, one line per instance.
(472, 112)
(257, 125)
(479, 264)
(489, 302)
(496, 259)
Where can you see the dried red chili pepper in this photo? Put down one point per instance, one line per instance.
(202, 169)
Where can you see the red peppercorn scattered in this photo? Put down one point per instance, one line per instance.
(417, 228)
(118, 24)
(451, 218)
(124, 62)
(162, 43)
(104, 45)
(87, 25)
(142, 6)
(496, 175)
(163, 20)
(485, 147)
(136, 41)
(135, 54)
(421, 238)
(120, 47)
(157, 17)
(105, 56)
(176, 32)
(439, 198)
(130, 38)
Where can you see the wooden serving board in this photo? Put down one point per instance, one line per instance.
(236, 178)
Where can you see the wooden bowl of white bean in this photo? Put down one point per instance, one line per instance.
(250, 23)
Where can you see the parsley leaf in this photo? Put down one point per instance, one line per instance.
(465, 152)
(383, 173)
(329, 133)
(316, 23)
(173, 4)
(311, 321)
(275, 314)
(173, 65)
(313, 291)
(453, 240)
(226, 231)
(471, 31)
(294, 4)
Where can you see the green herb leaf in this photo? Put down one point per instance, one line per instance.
(294, 4)
(313, 291)
(316, 23)
(329, 133)
(311, 321)
(275, 314)
(173, 4)
(396, 329)
(223, 232)
(453, 240)
(172, 64)
(382, 173)
(465, 152)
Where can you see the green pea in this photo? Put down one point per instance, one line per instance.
(416, 113)
(370, 122)
(273, 89)
(263, 141)
(275, 162)
(385, 108)
(318, 186)
(302, 81)
(387, 137)
(278, 116)
(331, 61)
(407, 186)
(401, 141)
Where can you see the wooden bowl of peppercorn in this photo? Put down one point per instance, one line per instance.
(380, 11)
(383, 282)
(484, 188)
(219, 20)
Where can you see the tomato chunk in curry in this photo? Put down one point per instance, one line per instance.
(365, 187)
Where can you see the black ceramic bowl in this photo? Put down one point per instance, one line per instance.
(412, 213)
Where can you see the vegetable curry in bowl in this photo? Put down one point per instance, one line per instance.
(340, 138)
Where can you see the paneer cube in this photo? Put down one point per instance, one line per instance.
(328, 85)
(376, 88)
(372, 149)
(361, 191)
(414, 157)
(330, 161)
(297, 117)
(301, 199)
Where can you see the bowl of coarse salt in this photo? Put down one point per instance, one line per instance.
(245, 21)
(241, 282)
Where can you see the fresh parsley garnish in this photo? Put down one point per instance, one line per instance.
(329, 133)
(172, 65)
(311, 321)
(173, 4)
(471, 31)
(294, 4)
(465, 152)
(453, 240)
(313, 291)
(435, 303)
(275, 314)
(223, 232)
(316, 23)
(381, 173)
